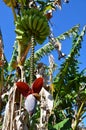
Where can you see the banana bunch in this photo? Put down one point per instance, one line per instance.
(32, 22)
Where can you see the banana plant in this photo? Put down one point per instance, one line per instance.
(36, 28)
(68, 84)
(32, 27)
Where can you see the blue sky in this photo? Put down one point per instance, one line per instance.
(71, 14)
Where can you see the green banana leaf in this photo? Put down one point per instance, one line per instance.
(63, 125)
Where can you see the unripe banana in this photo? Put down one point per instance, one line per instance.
(30, 22)
(20, 27)
(35, 22)
(45, 32)
(19, 37)
(40, 24)
(19, 32)
(23, 23)
(42, 29)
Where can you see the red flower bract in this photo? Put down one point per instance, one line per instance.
(37, 85)
(23, 88)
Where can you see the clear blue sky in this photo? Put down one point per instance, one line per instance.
(70, 15)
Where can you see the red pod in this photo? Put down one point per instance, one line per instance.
(23, 88)
(37, 85)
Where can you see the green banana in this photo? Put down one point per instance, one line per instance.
(19, 32)
(43, 28)
(35, 22)
(20, 27)
(30, 19)
(45, 32)
(26, 21)
(32, 23)
(19, 37)
(40, 24)
(23, 23)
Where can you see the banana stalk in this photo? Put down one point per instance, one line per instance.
(26, 52)
(32, 61)
(19, 53)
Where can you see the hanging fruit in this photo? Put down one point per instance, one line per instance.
(33, 22)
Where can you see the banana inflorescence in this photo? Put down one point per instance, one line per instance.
(32, 22)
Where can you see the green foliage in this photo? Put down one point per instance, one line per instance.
(63, 125)
(47, 48)
(68, 82)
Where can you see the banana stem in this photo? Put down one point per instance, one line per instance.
(32, 61)
(26, 52)
(19, 53)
